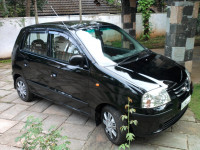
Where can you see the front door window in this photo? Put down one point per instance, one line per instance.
(62, 48)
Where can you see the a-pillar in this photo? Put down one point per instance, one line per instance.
(181, 27)
(129, 16)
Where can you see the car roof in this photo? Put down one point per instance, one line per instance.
(71, 25)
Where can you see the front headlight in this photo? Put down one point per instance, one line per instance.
(188, 75)
(155, 98)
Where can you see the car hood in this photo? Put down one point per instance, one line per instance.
(150, 71)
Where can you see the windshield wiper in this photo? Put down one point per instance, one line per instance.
(129, 57)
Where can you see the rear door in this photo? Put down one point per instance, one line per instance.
(35, 55)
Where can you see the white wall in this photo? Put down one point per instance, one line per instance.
(10, 27)
(158, 24)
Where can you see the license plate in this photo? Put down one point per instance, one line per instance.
(185, 102)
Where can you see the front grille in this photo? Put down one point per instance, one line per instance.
(182, 88)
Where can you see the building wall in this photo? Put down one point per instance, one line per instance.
(157, 22)
(10, 27)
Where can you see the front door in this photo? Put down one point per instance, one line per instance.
(69, 82)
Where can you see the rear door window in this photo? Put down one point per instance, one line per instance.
(36, 43)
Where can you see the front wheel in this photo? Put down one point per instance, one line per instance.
(23, 90)
(112, 122)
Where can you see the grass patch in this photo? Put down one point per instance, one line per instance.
(154, 43)
(117, 44)
(159, 42)
(6, 61)
(195, 102)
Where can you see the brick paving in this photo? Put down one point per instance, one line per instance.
(81, 131)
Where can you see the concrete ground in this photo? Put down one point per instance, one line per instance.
(81, 131)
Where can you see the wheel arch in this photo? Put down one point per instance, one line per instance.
(15, 76)
(98, 110)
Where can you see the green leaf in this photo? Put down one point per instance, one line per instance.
(135, 122)
(132, 110)
(124, 117)
(123, 128)
(130, 136)
(123, 146)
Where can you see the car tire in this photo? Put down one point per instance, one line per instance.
(112, 122)
(23, 90)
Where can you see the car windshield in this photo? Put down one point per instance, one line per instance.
(109, 44)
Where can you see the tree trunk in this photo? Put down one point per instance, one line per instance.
(146, 30)
(5, 8)
(15, 8)
(28, 8)
(160, 5)
(80, 10)
(36, 12)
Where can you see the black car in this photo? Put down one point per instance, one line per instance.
(93, 67)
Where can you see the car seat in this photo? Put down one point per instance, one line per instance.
(38, 46)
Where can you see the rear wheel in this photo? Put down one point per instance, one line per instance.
(112, 122)
(23, 90)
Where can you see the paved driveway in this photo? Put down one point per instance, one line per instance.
(82, 132)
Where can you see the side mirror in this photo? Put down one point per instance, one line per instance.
(77, 60)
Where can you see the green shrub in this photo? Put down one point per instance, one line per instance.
(129, 136)
(33, 137)
(144, 8)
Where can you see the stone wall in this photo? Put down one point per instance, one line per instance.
(181, 28)
(129, 16)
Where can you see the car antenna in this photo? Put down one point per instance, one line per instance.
(59, 16)
(56, 14)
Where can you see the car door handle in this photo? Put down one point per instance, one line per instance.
(25, 63)
(53, 75)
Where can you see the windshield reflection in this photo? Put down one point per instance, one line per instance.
(109, 44)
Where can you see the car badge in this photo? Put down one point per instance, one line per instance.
(184, 89)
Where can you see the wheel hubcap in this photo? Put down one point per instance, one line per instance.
(110, 124)
(21, 88)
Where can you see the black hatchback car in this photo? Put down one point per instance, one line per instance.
(93, 68)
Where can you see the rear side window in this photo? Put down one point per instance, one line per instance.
(36, 43)
(62, 48)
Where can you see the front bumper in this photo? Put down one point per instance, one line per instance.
(152, 124)
(156, 120)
